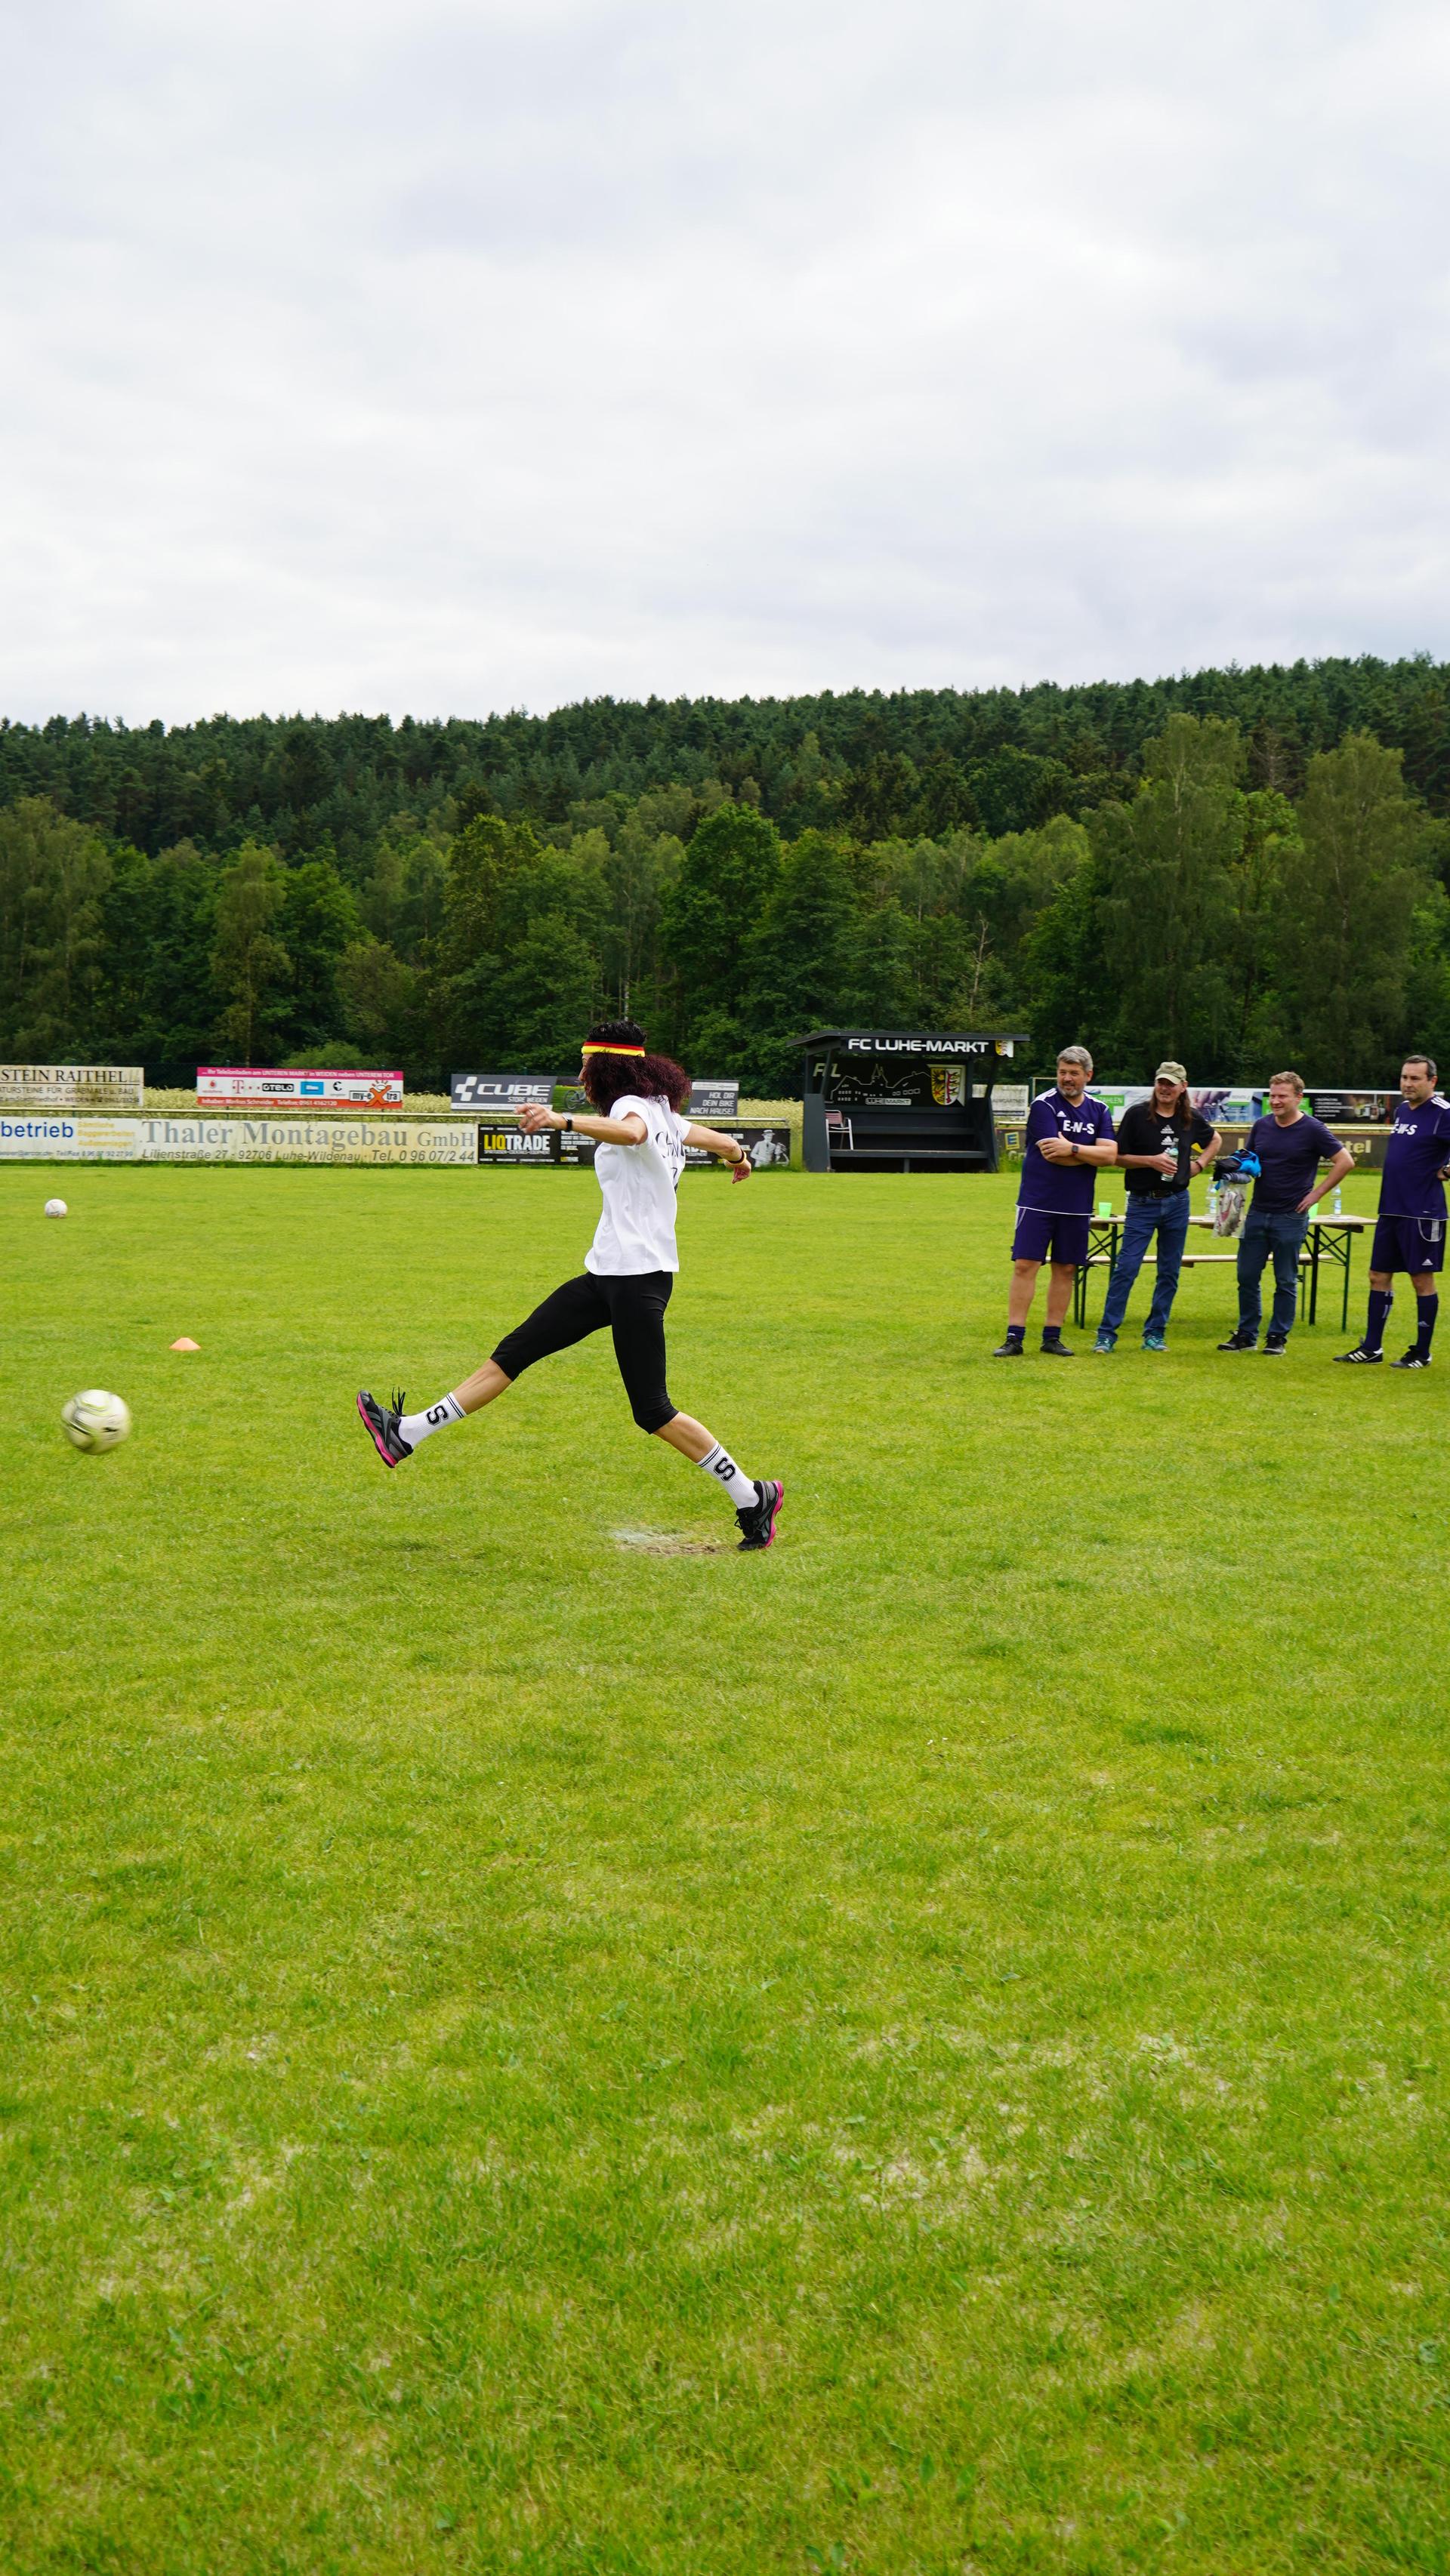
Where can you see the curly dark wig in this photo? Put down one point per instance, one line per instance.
(651, 1077)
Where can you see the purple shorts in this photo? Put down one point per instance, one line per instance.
(1412, 1243)
(1042, 1236)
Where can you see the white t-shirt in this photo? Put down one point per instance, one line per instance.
(636, 1230)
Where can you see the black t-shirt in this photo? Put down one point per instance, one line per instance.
(1142, 1130)
(1290, 1157)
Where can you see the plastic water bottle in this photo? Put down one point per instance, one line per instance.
(1338, 1202)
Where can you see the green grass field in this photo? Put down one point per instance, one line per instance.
(922, 2051)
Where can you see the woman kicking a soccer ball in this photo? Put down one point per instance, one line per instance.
(628, 1270)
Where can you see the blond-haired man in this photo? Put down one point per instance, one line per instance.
(1290, 1148)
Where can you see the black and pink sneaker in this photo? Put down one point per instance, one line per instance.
(382, 1421)
(757, 1521)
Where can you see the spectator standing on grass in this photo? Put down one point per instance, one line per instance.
(1290, 1148)
(1068, 1135)
(1162, 1144)
(1410, 1232)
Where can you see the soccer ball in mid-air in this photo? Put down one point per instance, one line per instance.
(95, 1420)
(56, 1207)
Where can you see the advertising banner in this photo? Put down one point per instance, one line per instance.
(236, 1140)
(305, 1140)
(886, 1082)
(71, 1086)
(62, 1139)
(768, 1147)
(1377, 1108)
(711, 1102)
(511, 1145)
(1228, 1105)
(1010, 1102)
(263, 1088)
(495, 1091)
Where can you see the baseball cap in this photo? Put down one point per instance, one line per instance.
(1171, 1073)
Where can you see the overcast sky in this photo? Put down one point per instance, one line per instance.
(439, 358)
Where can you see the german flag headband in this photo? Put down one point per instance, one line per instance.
(602, 1049)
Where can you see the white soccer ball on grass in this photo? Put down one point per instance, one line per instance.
(95, 1420)
(56, 1207)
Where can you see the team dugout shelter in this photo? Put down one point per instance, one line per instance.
(902, 1100)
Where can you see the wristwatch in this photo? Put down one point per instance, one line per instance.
(568, 1126)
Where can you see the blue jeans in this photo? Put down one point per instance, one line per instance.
(1283, 1237)
(1142, 1219)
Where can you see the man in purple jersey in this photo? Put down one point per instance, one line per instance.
(1068, 1136)
(1410, 1234)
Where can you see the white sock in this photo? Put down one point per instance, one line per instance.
(416, 1426)
(720, 1465)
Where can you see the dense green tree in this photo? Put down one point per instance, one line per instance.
(317, 920)
(1166, 865)
(450, 893)
(882, 798)
(1256, 886)
(544, 999)
(1353, 883)
(798, 955)
(250, 966)
(380, 1006)
(1067, 996)
(1016, 789)
(54, 874)
(518, 972)
(943, 801)
(485, 866)
(637, 875)
(402, 898)
(709, 914)
(157, 1003)
(291, 781)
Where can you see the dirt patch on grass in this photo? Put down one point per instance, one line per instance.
(666, 1543)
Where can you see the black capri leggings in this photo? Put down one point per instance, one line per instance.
(633, 1308)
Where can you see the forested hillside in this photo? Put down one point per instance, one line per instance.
(1235, 866)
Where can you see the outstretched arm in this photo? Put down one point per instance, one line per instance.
(726, 1149)
(605, 1131)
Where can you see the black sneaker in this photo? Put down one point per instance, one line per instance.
(1412, 1359)
(1359, 1356)
(1057, 1351)
(757, 1521)
(382, 1421)
(1240, 1342)
(1009, 1351)
(1276, 1346)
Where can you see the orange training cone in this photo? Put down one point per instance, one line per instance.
(185, 1345)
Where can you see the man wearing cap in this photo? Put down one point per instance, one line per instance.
(1162, 1142)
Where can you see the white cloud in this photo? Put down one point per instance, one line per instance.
(454, 357)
